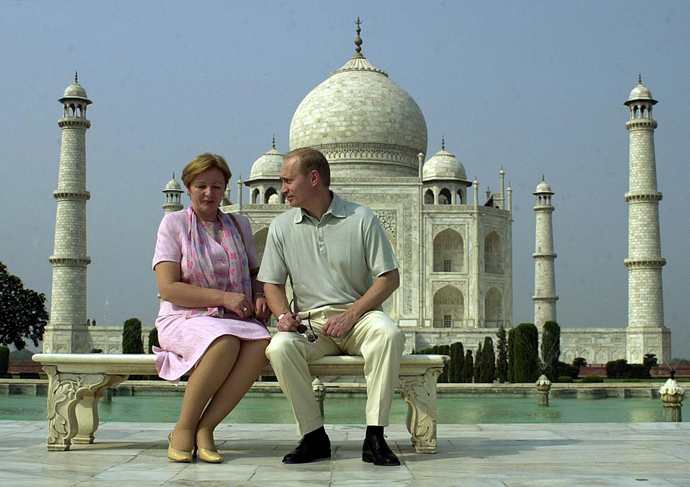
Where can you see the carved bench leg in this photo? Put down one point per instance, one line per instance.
(87, 409)
(420, 395)
(65, 391)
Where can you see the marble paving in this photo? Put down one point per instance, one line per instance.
(486, 455)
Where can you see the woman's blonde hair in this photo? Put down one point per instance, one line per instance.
(203, 162)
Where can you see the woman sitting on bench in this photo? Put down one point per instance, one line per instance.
(210, 324)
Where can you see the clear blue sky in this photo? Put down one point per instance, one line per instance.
(535, 87)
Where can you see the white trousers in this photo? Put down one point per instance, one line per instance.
(375, 337)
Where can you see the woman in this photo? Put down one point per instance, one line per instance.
(210, 323)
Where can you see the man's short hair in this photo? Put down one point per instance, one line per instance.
(312, 160)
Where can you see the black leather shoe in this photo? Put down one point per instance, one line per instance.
(309, 450)
(375, 450)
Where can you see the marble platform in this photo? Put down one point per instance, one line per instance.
(534, 455)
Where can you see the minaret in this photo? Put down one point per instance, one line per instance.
(544, 256)
(644, 262)
(173, 196)
(67, 332)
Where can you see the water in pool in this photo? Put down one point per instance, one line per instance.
(341, 409)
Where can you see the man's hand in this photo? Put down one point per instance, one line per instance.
(289, 322)
(261, 311)
(339, 325)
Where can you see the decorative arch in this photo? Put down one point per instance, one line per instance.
(458, 197)
(493, 254)
(449, 307)
(448, 251)
(493, 308)
(429, 197)
(444, 197)
(270, 192)
(255, 196)
(260, 242)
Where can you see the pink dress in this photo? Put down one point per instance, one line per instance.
(184, 334)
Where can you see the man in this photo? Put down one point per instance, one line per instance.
(341, 268)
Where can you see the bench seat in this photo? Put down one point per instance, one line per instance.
(76, 382)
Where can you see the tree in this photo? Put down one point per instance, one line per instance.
(477, 364)
(468, 368)
(22, 311)
(153, 339)
(551, 349)
(525, 353)
(488, 367)
(578, 363)
(511, 355)
(649, 360)
(502, 359)
(457, 361)
(445, 350)
(618, 369)
(131, 337)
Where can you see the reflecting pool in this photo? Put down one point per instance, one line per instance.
(452, 409)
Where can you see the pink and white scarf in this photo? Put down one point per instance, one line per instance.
(197, 265)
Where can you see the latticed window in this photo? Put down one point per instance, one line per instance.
(448, 251)
(446, 321)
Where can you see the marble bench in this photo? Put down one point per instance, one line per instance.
(76, 382)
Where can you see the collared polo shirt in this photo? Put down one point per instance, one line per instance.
(329, 262)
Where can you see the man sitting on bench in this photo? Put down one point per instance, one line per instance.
(342, 268)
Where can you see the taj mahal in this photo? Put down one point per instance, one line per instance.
(454, 244)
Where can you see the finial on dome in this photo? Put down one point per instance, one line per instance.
(173, 174)
(639, 78)
(443, 142)
(542, 177)
(274, 141)
(76, 76)
(358, 40)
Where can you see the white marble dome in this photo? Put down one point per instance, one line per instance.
(75, 90)
(640, 92)
(543, 187)
(444, 165)
(267, 166)
(173, 185)
(364, 123)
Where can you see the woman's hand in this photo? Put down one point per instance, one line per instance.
(239, 304)
(261, 310)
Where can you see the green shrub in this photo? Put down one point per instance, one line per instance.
(639, 371)
(592, 379)
(617, 369)
(567, 369)
(551, 349)
(488, 368)
(153, 339)
(511, 355)
(457, 361)
(526, 353)
(565, 379)
(131, 337)
(445, 350)
(476, 373)
(502, 358)
(4, 360)
(468, 368)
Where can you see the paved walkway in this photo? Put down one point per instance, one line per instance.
(534, 455)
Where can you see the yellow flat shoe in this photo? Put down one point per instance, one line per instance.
(209, 456)
(178, 456)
